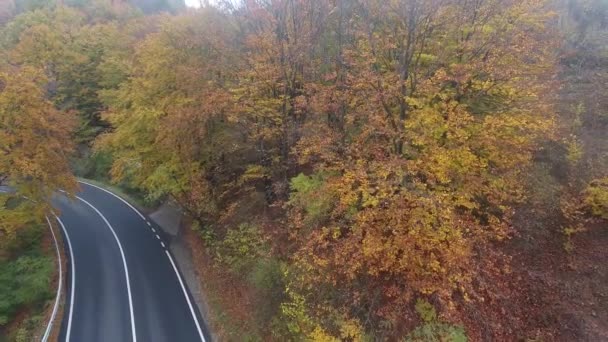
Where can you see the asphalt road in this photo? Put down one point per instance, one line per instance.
(123, 283)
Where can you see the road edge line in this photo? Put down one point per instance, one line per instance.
(179, 278)
(120, 198)
(49, 327)
(181, 282)
(73, 276)
(124, 262)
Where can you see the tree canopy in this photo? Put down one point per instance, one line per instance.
(361, 160)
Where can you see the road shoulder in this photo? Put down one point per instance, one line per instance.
(170, 219)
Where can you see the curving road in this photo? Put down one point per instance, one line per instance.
(123, 282)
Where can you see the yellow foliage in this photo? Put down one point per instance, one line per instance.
(319, 335)
(35, 146)
(596, 197)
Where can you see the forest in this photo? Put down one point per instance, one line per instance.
(351, 170)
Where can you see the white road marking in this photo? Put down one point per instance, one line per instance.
(124, 262)
(154, 230)
(73, 262)
(179, 278)
(111, 193)
(158, 237)
(163, 244)
(47, 332)
(181, 282)
(149, 224)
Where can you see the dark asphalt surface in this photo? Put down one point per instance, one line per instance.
(101, 310)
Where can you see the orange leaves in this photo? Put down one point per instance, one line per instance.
(34, 146)
(34, 136)
(393, 132)
(414, 237)
(427, 131)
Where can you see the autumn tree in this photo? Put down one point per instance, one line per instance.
(171, 136)
(58, 40)
(34, 148)
(279, 44)
(389, 138)
(446, 109)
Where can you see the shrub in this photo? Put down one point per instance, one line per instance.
(437, 332)
(27, 329)
(596, 197)
(24, 281)
(425, 310)
(266, 276)
(308, 194)
(568, 233)
(95, 165)
(25, 240)
(241, 248)
(433, 330)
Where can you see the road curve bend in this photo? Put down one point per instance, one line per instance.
(123, 282)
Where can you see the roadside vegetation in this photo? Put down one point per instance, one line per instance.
(352, 170)
(34, 142)
(27, 270)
